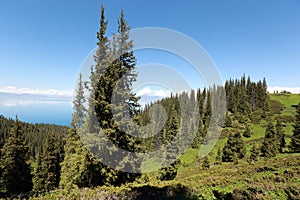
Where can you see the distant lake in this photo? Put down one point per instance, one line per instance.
(37, 109)
(44, 109)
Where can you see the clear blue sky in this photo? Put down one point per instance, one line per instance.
(43, 42)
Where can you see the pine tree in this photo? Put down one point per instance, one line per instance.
(247, 132)
(280, 136)
(100, 80)
(200, 132)
(73, 164)
(79, 168)
(295, 142)
(199, 135)
(16, 173)
(51, 163)
(114, 105)
(235, 158)
(205, 163)
(39, 175)
(103, 79)
(80, 112)
(219, 157)
(126, 106)
(269, 146)
(47, 171)
(208, 111)
(254, 153)
(170, 172)
(228, 120)
(235, 144)
(265, 95)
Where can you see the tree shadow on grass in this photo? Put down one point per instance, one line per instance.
(168, 192)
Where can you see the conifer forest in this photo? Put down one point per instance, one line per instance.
(256, 154)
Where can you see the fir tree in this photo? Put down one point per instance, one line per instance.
(199, 135)
(254, 153)
(72, 166)
(103, 79)
(235, 158)
(79, 168)
(170, 172)
(280, 136)
(16, 173)
(219, 157)
(205, 163)
(126, 106)
(247, 132)
(115, 106)
(266, 106)
(228, 120)
(208, 112)
(235, 144)
(39, 175)
(47, 172)
(99, 80)
(295, 142)
(79, 114)
(269, 146)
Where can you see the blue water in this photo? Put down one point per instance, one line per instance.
(41, 109)
(48, 111)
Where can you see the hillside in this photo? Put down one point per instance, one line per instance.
(273, 178)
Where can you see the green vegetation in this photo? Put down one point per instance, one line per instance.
(276, 178)
(22, 147)
(295, 142)
(15, 171)
(288, 101)
(234, 148)
(256, 157)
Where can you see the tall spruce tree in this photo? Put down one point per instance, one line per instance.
(205, 163)
(47, 172)
(126, 107)
(280, 136)
(39, 175)
(113, 103)
(295, 142)
(200, 129)
(234, 145)
(170, 172)
(219, 157)
(247, 132)
(79, 109)
(79, 168)
(254, 153)
(16, 173)
(72, 165)
(269, 146)
(208, 111)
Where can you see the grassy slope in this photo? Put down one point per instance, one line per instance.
(288, 100)
(265, 179)
(193, 176)
(276, 178)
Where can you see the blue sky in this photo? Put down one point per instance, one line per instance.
(44, 42)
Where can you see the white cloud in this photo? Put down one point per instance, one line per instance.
(52, 92)
(157, 93)
(294, 90)
(8, 104)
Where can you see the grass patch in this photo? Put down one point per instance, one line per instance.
(288, 101)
